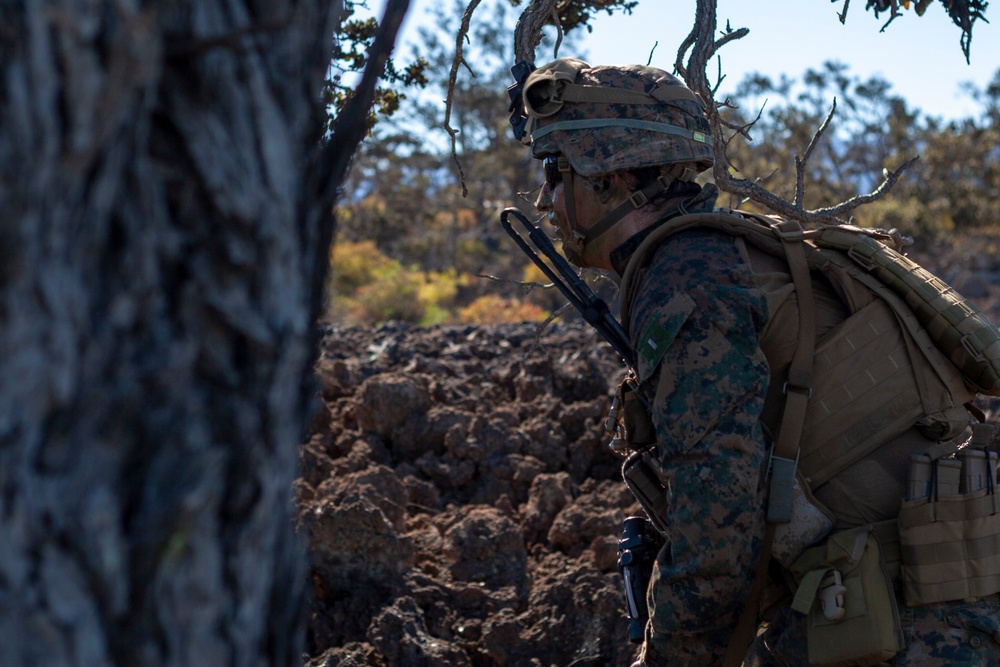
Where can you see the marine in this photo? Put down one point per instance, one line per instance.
(787, 537)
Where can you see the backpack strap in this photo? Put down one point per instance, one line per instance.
(798, 386)
(785, 452)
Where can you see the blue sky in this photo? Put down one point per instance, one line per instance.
(919, 56)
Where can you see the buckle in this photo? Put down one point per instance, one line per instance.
(831, 597)
(638, 199)
(797, 388)
(779, 502)
(788, 230)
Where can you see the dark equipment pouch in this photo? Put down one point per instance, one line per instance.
(634, 436)
(646, 478)
(629, 421)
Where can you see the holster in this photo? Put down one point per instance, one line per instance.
(647, 480)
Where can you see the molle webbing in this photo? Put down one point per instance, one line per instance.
(958, 328)
(874, 375)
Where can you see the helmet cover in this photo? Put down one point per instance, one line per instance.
(607, 119)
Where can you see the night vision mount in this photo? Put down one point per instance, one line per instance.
(519, 115)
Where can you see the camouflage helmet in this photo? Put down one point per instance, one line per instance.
(615, 118)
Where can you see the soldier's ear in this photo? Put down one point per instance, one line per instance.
(612, 187)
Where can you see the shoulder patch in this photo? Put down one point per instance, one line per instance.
(660, 332)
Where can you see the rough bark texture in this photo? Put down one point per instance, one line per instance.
(157, 274)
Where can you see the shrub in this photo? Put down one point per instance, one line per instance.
(494, 309)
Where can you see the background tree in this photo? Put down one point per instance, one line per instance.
(166, 200)
(407, 195)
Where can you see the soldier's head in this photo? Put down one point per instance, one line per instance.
(617, 134)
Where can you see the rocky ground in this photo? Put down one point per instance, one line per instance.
(459, 499)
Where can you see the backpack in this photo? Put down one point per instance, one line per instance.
(912, 351)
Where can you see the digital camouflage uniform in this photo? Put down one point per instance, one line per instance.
(698, 316)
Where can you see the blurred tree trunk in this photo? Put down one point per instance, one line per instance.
(161, 261)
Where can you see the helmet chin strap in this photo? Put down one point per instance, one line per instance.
(582, 238)
(578, 237)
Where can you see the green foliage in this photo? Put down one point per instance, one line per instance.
(953, 186)
(410, 246)
(963, 13)
(355, 265)
(349, 47)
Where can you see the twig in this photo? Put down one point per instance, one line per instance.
(843, 14)
(559, 32)
(463, 35)
(700, 42)
(651, 52)
(527, 285)
(800, 162)
(553, 316)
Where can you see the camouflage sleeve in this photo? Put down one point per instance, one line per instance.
(697, 318)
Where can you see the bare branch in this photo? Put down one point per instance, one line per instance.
(682, 50)
(528, 32)
(800, 162)
(731, 36)
(889, 179)
(702, 45)
(651, 52)
(528, 286)
(893, 15)
(843, 14)
(463, 35)
(719, 76)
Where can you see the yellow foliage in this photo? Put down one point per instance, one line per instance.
(355, 265)
(391, 298)
(440, 288)
(494, 309)
(533, 274)
(369, 288)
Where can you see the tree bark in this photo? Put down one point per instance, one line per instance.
(159, 277)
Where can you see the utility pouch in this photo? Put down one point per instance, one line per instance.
(646, 478)
(846, 593)
(810, 523)
(950, 544)
(629, 422)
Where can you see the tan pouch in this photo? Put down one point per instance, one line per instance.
(950, 544)
(950, 547)
(846, 593)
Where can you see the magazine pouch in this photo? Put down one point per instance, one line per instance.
(845, 591)
(950, 544)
